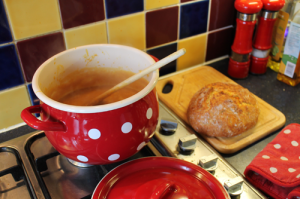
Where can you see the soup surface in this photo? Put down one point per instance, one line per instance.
(82, 86)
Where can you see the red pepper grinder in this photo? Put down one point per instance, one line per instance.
(239, 61)
(262, 40)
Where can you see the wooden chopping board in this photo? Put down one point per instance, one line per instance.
(187, 83)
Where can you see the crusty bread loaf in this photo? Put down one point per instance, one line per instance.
(222, 110)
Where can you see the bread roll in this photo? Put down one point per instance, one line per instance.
(222, 110)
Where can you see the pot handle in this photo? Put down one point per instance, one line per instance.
(35, 123)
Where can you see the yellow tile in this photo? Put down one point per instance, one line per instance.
(151, 4)
(13, 101)
(33, 17)
(84, 35)
(128, 30)
(195, 51)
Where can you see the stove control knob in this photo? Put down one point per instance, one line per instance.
(234, 186)
(168, 127)
(209, 163)
(187, 144)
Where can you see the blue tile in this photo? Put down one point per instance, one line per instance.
(33, 97)
(10, 71)
(5, 35)
(115, 8)
(162, 52)
(193, 18)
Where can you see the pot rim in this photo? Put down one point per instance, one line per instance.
(99, 108)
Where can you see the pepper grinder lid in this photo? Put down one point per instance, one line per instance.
(248, 6)
(273, 5)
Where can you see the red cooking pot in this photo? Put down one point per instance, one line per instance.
(159, 178)
(99, 134)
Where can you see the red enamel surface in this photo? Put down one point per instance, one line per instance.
(242, 43)
(238, 70)
(273, 5)
(159, 177)
(248, 6)
(263, 34)
(75, 140)
(258, 65)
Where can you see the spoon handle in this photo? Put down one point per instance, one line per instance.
(139, 75)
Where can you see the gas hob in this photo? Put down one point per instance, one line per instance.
(31, 168)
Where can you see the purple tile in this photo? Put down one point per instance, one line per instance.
(183, 1)
(193, 18)
(78, 12)
(10, 71)
(222, 13)
(161, 26)
(162, 52)
(33, 52)
(219, 43)
(5, 34)
(115, 8)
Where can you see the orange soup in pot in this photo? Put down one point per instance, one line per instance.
(82, 86)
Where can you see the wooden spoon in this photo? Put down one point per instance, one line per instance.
(137, 76)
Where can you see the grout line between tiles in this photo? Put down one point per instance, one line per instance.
(106, 20)
(207, 27)
(62, 25)
(8, 20)
(219, 29)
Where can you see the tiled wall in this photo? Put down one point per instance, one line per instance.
(32, 31)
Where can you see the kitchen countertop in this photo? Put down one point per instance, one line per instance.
(283, 97)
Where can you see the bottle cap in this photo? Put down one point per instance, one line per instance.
(248, 6)
(273, 5)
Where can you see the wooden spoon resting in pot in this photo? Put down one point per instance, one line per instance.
(137, 76)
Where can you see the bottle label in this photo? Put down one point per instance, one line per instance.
(291, 51)
(279, 34)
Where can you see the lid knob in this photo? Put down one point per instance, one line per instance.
(273, 5)
(248, 6)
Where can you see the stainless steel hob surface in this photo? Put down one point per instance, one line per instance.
(31, 168)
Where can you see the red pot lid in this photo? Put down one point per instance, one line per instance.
(159, 178)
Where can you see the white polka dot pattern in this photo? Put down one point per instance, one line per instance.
(82, 158)
(287, 131)
(126, 127)
(277, 146)
(284, 158)
(94, 134)
(149, 113)
(273, 170)
(294, 143)
(291, 170)
(113, 157)
(279, 162)
(265, 157)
